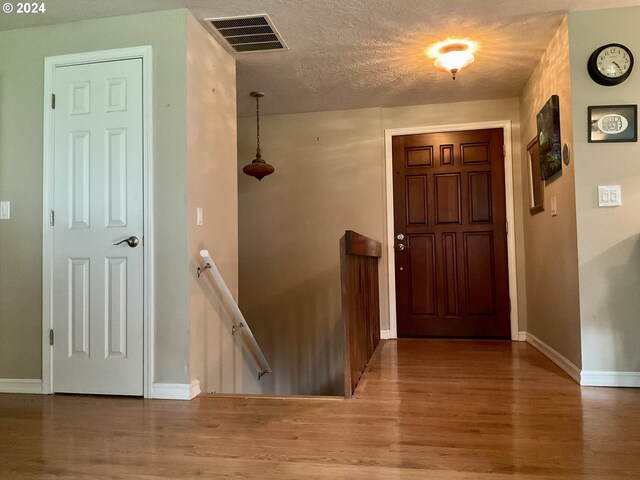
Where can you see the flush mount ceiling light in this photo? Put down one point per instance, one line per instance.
(258, 168)
(453, 55)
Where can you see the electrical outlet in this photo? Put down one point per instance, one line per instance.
(199, 217)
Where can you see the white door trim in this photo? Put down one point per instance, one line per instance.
(50, 63)
(508, 180)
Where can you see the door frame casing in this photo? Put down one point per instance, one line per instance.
(50, 64)
(389, 133)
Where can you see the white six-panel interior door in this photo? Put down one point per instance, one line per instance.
(97, 294)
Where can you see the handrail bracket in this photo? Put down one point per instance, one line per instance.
(203, 268)
(236, 328)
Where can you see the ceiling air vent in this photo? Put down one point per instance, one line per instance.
(251, 33)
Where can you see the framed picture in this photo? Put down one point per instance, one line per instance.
(613, 123)
(536, 183)
(548, 122)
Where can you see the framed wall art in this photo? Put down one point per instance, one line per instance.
(536, 183)
(613, 123)
(548, 122)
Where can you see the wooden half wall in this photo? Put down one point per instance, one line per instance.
(359, 258)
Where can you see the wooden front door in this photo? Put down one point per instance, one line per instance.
(450, 235)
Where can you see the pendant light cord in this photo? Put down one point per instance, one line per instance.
(258, 126)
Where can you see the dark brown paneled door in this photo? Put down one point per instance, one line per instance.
(450, 235)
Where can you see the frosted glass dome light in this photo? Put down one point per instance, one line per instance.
(454, 55)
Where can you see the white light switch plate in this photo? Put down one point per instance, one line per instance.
(554, 206)
(609, 196)
(5, 210)
(199, 218)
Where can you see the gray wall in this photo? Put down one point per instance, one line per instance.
(608, 238)
(329, 177)
(551, 256)
(22, 54)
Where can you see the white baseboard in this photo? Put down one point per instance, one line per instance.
(195, 389)
(557, 358)
(175, 391)
(522, 336)
(20, 385)
(385, 334)
(609, 379)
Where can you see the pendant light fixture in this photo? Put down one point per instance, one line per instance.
(258, 168)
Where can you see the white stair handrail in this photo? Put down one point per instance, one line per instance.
(239, 322)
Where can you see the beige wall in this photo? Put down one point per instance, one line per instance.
(329, 177)
(290, 225)
(215, 359)
(22, 54)
(551, 261)
(608, 238)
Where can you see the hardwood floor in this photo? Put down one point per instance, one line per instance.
(426, 409)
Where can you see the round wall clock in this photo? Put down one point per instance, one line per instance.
(565, 154)
(610, 64)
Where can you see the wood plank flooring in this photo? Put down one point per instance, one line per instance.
(426, 409)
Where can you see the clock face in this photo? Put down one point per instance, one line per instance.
(610, 64)
(613, 62)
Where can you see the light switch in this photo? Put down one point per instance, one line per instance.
(554, 206)
(199, 219)
(609, 196)
(5, 210)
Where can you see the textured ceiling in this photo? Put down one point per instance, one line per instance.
(365, 53)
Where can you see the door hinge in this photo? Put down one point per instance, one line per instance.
(504, 150)
(506, 226)
(51, 337)
(52, 218)
(53, 101)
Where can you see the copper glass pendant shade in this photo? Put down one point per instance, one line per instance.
(258, 168)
